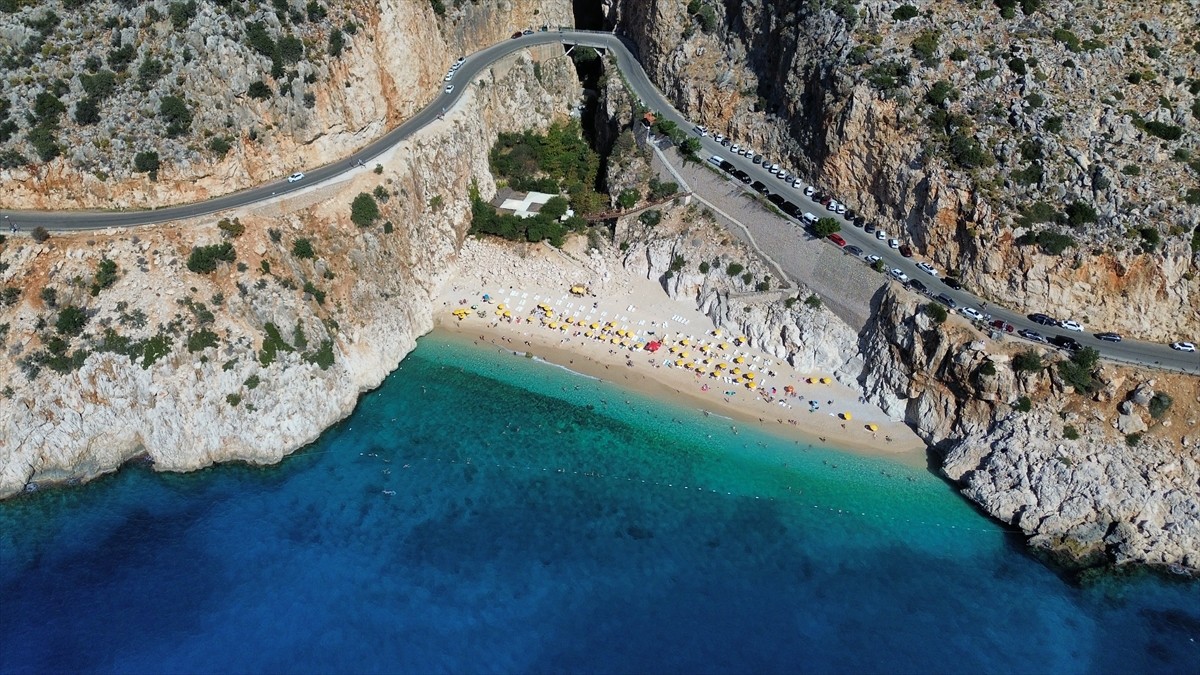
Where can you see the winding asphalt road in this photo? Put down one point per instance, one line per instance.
(1129, 351)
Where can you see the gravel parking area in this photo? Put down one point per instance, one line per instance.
(844, 282)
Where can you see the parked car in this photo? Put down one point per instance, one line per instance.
(735, 149)
(1065, 342)
(837, 239)
(898, 275)
(528, 31)
(449, 89)
(760, 188)
(851, 214)
(953, 283)
(880, 235)
(516, 35)
(461, 60)
(859, 221)
(872, 259)
(831, 205)
(1183, 346)
(449, 76)
(893, 243)
(946, 300)
(906, 251)
(1031, 335)
(854, 250)
(918, 286)
(840, 208)
(716, 160)
(298, 176)
(1070, 325)
(809, 218)
(1002, 325)
(1109, 337)
(719, 138)
(776, 199)
(809, 190)
(757, 159)
(927, 268)
(971, 313)
(1043, 319)
(742, 176)
(869, 228)
(700, 131)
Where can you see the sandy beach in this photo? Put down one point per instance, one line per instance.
(530, 307)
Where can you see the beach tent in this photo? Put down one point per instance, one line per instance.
(653, 346)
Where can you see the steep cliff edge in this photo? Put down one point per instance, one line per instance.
(216, 95)
(1107, 476)
(1052, 160)
(244, 339)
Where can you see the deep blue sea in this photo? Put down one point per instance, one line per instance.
(485, 513)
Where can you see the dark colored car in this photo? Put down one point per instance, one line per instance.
(517, 35)
(859, 221)
(918, 286)
(906, 250)
(1002, 325)
(953, 283)
(742, 176)
(757, 159)
(760, 188)
(791, 209)
(837, 239)
(777, 199)
(850, 214)
(1031, 335)
(946, 300)
(1109, 337)
(869, 228)
(727, 166)
(1043, 319)
(1065, 342)
(854, 250)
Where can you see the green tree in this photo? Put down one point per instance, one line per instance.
(182, 13)
(71, 321)
(259, 90)
(106, 275)
(904, 13)
(628, 198)
(87, 111)
(302, 248)
(936, 313)
(363, 210)
(1080, 213)
(926, 43)
(1027, 362)
(337, 42)
(147, 162)
(826, 226)
(47, 108)
(176, 114)
(44, 141)
(204, 259)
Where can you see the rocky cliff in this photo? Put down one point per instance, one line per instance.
(245, 338)
(1108, 475)
(1051, 159)
(216, 95)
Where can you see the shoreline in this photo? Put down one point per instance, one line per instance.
(682, 388)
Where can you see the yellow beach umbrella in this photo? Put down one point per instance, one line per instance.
(554, 324)
(594, 325)
(724, 345)
(739, 359)
(616, 341)
(507, 313)
(686, 354)
(720, 366)
(749, 385)
(716, 332)
(701, 371)
(501, 306)
(689, 365)
(872, 427)
(674, 349)
(847, 416)
(679, 362)
(749, 376)
(736, 371)
(825, 380)
(588, 334)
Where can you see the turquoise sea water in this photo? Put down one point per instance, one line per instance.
(487, 513)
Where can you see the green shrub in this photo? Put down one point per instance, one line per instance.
(959, 54)
(1070, 433)
(176, 114)
(704, 267)
(363, 210)
(734, 269)
(1027, 362)
(628, 198)
(200, 340)
(1160, 403)
(315, 10)
(71, 320)
(147, 162)
(935, 312)
(233, 228)
(1035, 101)
(182, 13)
(940, 92)
(1131, 170)
(967, 152)
(273, 343)
(904, 13)
(813, 301)
(323, 356)
(149, 71)
(926, 43)
(985, 74)
(1067, 38)
(1193, 196)
(1023, 404)
(1167, 132)
(704, 14)
(1017, 65)
(302, 248)
(318, 294)
(259, 90)
(219, 145)
(291, 49)
(50, 296)
(337, 42)
(121, 56)
(650, 218)
(1132, 440)
(1080, 213)
(1077, 371)
(87, 111)
(106, 276)
(987, 368)
(44, 142)
(204, 259)
(47, 108)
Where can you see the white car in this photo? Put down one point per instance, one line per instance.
(810, 218)
(809, 191)
(735, 149)
(832, 205)
(1183, 346)
(1070, 325)
(893, 243)
(296, 177)
(927, 268)
(872, 259)
(899, 276)
(449, 76)
(461, 60)
(880, 235)
(971, 313)
(449, 89)
(840, 208)
(719, 138)
(797, 184)
(701, 131)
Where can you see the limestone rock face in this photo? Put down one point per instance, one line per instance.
(838, 93)
(1087, 501)
(257, 358)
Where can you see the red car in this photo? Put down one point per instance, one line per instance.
(906, 250)
(837, 239)
(1002, 325)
